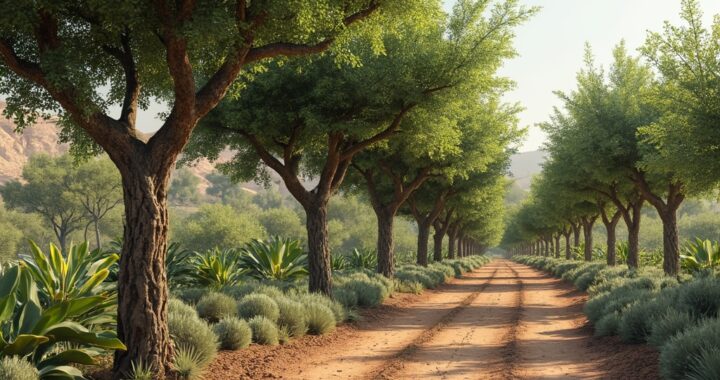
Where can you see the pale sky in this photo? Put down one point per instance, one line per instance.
(550, 48)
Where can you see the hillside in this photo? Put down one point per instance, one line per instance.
(525, 165)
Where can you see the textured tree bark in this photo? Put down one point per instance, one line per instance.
(385, 243)
(422, 249)
(452, 237)
(671, 242)
(320, 269)
(633, 254)
(142, 281)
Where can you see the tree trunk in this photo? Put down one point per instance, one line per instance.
(385, 243)
(576, 234)
(568, 252)
(671, 242)
(142, 280)
(97, 233)
(437, 244)
(452, 235)
(633, 254)
(610, 225)
(557, 246)
(587, 233)
(320, 269)
(422, 249)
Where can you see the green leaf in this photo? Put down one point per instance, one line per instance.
(68, 357)
(24, 344)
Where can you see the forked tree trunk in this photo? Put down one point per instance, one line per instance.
(610, 225)
(385, 243)
(142, 280)
(320, 269)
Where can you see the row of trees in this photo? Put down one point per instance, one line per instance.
(643, 131)
(397, 69)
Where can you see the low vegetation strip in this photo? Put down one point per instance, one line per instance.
(679, 316)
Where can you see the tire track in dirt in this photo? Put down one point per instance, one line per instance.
(478, 342)
(511, 345)
(392, 366)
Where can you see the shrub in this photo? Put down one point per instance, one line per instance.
(191, 295)
(338, 311)
(320, 318)
(258, 305)
(14, 368)
(369, 292)
(216, 306)
(637, 319)
(676, 356)
(706, 365)
(701, 297)
(410, 287)
(193, 333)
(270, 291)
(608, 325)
(346, 297)
(292, 317)
(668, 325)
(264, 331)
(188, 363)
(240, 291)
(176, 306)
(283, 335)
(234, 333)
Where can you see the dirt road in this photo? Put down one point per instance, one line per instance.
(503, 321)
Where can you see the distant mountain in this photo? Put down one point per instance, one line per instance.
(17, 148)
(525, 165)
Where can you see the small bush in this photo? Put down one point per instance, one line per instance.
(242, 290)
(637, 319)
(668, 325)
(369, 293)
(176, 306)
(345, 296)
(706, 365)
(410, 287)
(258, 305)
(264, 331)
(320, 318)
(191, 296)
(193, 333)
(608, 325)
(234, 333)
(283, 335)
(676, 356)
(270, 291)
(216, 306)
(292, 317)
(701, 297)
(337, 309)
(188, 363)
(14, 368)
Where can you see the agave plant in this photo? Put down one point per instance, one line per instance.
(217, 268)
(338, 262)
(81, 273)
(700, 254)
(178, 263)
(43, 335)
(276, 259)
(362, 259)
(622, 250)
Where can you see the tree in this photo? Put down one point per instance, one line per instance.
(47, 191)
(310, 118)
(217, 226)
(184, 187)
(59, 57)
(99, 190)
